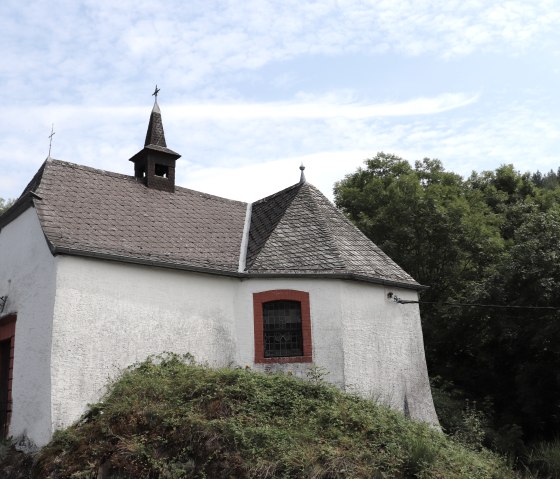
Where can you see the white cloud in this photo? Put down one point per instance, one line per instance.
(252, 182)
(251, 156)
(322, 107)
(322, 110)
(510, 136)
(96, 49)
(82, 64)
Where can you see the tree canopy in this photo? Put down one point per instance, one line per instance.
(490, 239)
(5, 204)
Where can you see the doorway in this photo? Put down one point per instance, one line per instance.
(5, 406)
(7, 334)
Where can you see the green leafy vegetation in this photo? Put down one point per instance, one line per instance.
(167, 418)
(544, 460)
(491, 239)
(5, 204)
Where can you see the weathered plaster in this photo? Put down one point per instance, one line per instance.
(367, 343)
(384, 357)
(27, 276)
(325, 307)
(109, 315)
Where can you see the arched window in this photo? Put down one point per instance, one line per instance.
(282, 326)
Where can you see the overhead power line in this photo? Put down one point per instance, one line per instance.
(477, 305)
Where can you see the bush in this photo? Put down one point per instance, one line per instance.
(168, 418)
(471, 431)
(544, 459)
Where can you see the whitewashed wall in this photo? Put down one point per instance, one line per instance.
(109, 315)
(384, 356)
(367, 343)
(326, 327)
(27, 276)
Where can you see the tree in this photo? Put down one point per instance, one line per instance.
(5, 204)
(491, 239)
(424, 217)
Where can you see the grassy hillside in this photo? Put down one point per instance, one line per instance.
(172, 419)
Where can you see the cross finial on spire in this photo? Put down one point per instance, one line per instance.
(156, 91)
(50, 138)
(302, 177)
(155, 94)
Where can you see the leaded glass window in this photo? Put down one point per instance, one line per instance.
(282, 329)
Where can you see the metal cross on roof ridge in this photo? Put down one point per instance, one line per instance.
(50, 138)
(156, 91)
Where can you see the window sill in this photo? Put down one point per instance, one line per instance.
(284, 360)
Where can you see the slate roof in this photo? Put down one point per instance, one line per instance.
(155, 135)
(295, 232)
(94, 212)
(298, 231)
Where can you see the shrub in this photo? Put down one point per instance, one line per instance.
(471, 432)
(168, 418)
(544, 459)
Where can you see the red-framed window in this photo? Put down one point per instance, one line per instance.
(7, 336)
(282, 323)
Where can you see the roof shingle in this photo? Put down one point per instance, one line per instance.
(295, 232)
(92, 210)
(311, 236)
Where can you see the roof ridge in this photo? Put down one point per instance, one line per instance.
(324, 224)
(36, 180)
(278, 193)
(257, 244)
(130, 178)
(384, 257)
(69, 164)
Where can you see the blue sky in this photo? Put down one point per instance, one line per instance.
(250, 89)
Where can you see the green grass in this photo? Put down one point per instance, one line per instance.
(544, 460)
(167, 418)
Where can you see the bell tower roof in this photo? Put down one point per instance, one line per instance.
(155, 163)
(155, 135)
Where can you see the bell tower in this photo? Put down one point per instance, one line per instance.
(155, 163)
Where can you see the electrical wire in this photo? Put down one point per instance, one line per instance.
(478, 305)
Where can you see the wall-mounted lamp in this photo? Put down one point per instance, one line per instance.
(393, 297)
